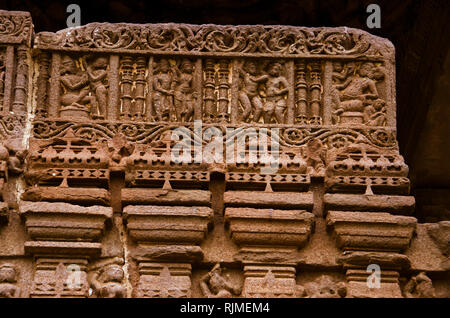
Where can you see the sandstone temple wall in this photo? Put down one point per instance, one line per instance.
(94, 204)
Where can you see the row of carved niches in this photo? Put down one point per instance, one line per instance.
(105, 278)
(182, 89)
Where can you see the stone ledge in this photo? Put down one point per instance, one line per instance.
(371, 231)
(269, 227)
(64, 221)
(165, 197)
(163, 224)
(288, 200)
(70, 195)
(395, 204)
(63, 248)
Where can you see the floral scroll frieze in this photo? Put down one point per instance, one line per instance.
(15, 27)
(144, 133)
(185, 38)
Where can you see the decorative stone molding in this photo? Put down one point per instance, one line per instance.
(268, 227)
(166, 224)
(371, 231)
(90, 118)
(164, 280)
(223, 40)
(64, 222)
(372, 239)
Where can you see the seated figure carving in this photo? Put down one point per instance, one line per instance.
(75, 90)
(419, 286)
(356, 99)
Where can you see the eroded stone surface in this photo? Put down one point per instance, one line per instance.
(96, 189)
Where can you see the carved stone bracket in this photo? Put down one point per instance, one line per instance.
(372, 239)
(63, 228)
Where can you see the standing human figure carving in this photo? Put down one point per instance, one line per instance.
(97, 74)
(163, 87)
(184, 94)
(277, 87)
(248, 94)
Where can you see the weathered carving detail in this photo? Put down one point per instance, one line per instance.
(57, 277)
(184, 95)
(106, 279)
(16, 27)
(108, 100)
(215, 285)
(163, 85)
(281, 40)
(164, 280)
(325, 287)
(42, 83)
(355, 95)
(419, 286)
(8, 280)
(2, 78)
(269, 282)
(75, 92)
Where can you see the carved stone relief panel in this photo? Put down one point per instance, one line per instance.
(302, 124)
(358, 93)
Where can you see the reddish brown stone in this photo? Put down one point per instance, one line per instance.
(97, 189)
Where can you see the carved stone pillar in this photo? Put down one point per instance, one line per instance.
(21, 83)
(301, 92)
(166, 234)
(209, 87)
(315, 91)
(139, 92)
(43, 83)
(126, 83)
(224, 87)
(263, 235)
(63, 238)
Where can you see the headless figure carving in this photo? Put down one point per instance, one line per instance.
(215, 285)
(419, 286)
